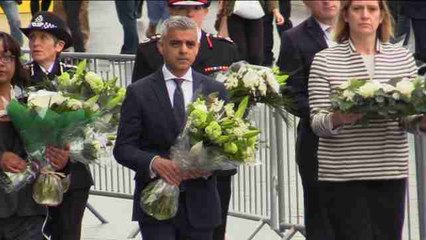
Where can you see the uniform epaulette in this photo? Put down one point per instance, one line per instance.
(218, 37)
(152, 38)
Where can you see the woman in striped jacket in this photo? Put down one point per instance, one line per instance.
(363, 169)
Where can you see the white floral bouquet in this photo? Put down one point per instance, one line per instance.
(260, 84)
(103, 95)
(48, 118)
(397, 98)
(215, 138)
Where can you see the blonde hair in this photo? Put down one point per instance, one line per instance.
(384, 31)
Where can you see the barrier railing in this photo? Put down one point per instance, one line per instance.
(270, 193)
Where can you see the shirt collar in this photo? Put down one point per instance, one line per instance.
(200, 34)
(379, 47)
(323, 26)
(49, 70)
(170, 76)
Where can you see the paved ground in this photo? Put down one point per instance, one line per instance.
(106, 37)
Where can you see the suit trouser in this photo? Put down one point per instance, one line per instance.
(316, 222)
(419, 30)
(127, 14)
(10, 8)
(21, 228)
(248, 36)
(224, 190)
(65, 219)
(58, 9)
(177, 229)
(365, 210)
(268, 34)
(35, 6)
(72, 10)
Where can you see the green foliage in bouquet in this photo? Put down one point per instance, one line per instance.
(260, 84)
(397, 98)
(212, 124)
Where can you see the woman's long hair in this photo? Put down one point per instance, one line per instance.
(21, 76)
(384, 31)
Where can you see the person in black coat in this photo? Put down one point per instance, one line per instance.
(416, 11)
(48, 37)
(150, 123)
(216, 54)
(298, 48)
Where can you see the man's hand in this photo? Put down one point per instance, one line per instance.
(168, 170)
(193, 174)
(57, 157)
(11, 162)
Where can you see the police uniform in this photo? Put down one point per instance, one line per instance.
(216, 54)
(65, 219)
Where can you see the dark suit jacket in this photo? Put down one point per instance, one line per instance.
(298, 48)
(215, 53)
(414, 9)
(80, 174)
(148, 128)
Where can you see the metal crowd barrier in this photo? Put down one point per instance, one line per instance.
(270, 193)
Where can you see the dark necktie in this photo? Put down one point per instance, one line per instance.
(179, 104)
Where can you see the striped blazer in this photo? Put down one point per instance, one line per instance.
(356, 152)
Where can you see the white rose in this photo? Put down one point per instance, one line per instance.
(388, 88)
(262, 89)
(349, 95)
(272, 81)
(45, 99)
(405, 87)
(251, 79)
(368, 89)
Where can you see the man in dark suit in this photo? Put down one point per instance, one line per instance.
(298, 48)
(48, 36)
(215, 55)
(152, 116)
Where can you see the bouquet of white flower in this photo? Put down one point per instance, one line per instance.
(398, 98)
(104, 96)
(259, 83)
(215, 138)
(49, 118)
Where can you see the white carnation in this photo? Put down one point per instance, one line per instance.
(405, 87)
(368, 89)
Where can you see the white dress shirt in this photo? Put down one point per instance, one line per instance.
(327, 34)
(47, 71)
(187, 88)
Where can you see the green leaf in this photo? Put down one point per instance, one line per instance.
(242, 107)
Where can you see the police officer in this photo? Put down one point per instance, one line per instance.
(215, 55)
(48, 36)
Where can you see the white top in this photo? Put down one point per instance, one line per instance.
(47, 71)
(369, 64)
(186, 85)
(248, 9)
(328, 36)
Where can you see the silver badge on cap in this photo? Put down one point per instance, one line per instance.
(39, 22)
